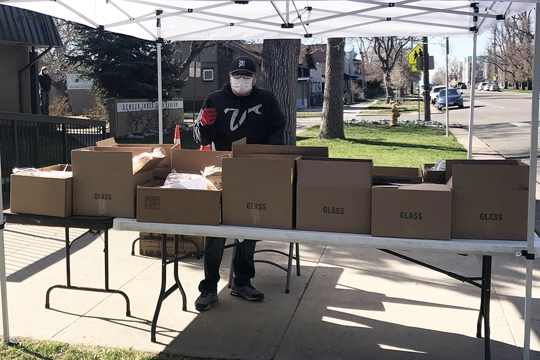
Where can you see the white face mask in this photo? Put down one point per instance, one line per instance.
(241, 87)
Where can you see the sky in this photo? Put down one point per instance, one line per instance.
(459, 48)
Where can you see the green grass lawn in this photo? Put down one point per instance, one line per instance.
(410, 145)
(29, 349)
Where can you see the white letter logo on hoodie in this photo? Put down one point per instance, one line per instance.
(234, 125)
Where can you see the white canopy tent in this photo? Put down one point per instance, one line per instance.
(287, 19)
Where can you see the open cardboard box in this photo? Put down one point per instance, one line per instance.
(333, 195)
(42, 195)
(417, 211)
(240, 148)
(104, 183)
(434, 176)
(182, 206)
(385, 175)
(161, 170)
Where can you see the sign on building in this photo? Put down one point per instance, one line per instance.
(75, 81)
(147, 106)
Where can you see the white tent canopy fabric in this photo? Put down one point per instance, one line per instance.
(286, 19)
(263, 19)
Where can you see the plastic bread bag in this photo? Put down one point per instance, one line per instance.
(140, 160)
(26, 171)
(188, 181)
(213, 175)
(159, 153)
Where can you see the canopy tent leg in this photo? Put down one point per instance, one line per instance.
(473, 90)
(159, 79)
(532, 190)
(3, 281)
(447, 45)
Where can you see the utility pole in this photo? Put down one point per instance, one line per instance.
(427, 85)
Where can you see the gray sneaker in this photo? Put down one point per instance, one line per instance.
(248, 292)
(205, 301)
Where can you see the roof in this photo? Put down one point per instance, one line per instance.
(265, 19)
(23, 27)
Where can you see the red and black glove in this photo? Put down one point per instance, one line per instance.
(208, 116)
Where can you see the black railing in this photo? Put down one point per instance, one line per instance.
(36, 141)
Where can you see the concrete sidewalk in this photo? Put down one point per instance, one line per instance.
(348, 303)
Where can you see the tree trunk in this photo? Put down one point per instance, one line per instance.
(332, 114)
(279, 74)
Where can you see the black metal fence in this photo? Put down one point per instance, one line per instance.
(36, 141)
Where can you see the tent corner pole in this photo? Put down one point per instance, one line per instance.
(159, 77)
(531, 210)
(3, 281)
(471, 110)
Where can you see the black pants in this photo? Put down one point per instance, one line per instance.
(244, 268)
(44, 102)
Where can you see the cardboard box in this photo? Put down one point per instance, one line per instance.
(334, 195)
(385, 175)
(490, 201)
(450, 163)
(161, 170)
(434, 176)
(177, 206)
(239, 148)
(182, 206)
(418, 211)
(151, 245)
(103, 180)
(42, 195)
(258, 190)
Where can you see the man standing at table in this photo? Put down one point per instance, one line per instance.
(239, 110)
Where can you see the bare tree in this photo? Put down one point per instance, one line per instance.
(439, 77)
(511, 51)
(400, 75)
(389, 51)
(279, 74)
(332, 113)
(194, 49)
(55, 59)
(455, 69)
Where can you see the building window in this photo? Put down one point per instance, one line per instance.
(208, 74)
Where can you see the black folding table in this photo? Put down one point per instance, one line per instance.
(94, 224)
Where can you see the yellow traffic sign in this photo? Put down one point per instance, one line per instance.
(416, 52)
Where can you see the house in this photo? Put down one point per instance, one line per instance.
(22, 33)
(210, 70)
(353, 75)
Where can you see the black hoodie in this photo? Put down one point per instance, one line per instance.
(256, 117)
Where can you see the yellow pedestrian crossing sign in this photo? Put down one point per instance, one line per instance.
(416, 52)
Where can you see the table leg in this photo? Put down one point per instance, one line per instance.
(163, 285)
(176, 278)
(68, 262)
(484, 306)
(68, 276)
(486, 289)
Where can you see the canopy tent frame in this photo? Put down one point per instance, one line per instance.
(323, 20)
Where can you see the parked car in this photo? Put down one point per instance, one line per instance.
(481, 85)
(463, 86)
(455, 98)
(493, 87)
(434, 91)
(485, 88)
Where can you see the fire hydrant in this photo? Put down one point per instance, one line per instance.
(395, 115)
